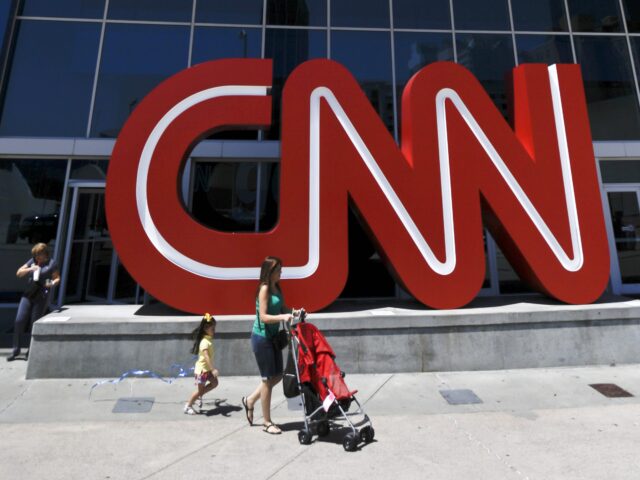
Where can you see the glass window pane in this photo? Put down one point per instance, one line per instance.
(489, 57)
(632, 11)
(508, 279)
(239, 11)
(89, 169)
(297, 12)
(416, 50)
(289, 48)
(625, 219)
(6, 18)
(135, 58)
(63, 8)
(30, 197)
(360, 13)
(620, 171)
(481, 15)
(159, 10)
(269, 196)
(224, 195)
(539, 16)
(609, 87)
(595, 15)
(52, 71)
(212, 43)
(547, 49)
(367, 55)
(431, 14)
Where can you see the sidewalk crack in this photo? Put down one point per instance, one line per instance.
(15, 399)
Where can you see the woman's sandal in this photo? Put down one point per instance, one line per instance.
(271, 428)
(247, 411)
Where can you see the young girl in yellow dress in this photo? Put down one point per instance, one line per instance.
(205, 372)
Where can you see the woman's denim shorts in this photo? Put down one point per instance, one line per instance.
(268, 357)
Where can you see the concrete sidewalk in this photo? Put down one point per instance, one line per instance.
(531, 424)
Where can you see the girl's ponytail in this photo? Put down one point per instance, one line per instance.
(199, 332)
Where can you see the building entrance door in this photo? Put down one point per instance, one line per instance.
(624, 210)
(91, 271)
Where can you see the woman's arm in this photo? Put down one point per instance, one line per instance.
(55, 278)
(25, 270)
(262, 309)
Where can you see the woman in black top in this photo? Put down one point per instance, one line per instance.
(43, 275)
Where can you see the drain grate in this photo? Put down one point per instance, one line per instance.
(133, 405)
(610, 390)
(460, 397)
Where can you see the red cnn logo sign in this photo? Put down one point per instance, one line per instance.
(535, 186)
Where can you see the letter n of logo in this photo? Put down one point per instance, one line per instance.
(536, 188)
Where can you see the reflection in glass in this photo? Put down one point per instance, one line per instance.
(6, 18)
(269, 196)
(289, 48)
(135, 59)
(632, 12)
(481, 15)
(609, 87)
(158, 10)
(547, 49)
(360, 13)
(63, 8)
(367, 55)
(625, 219)
(620, 171)
(212, 43)
(539, 16)
(595, 15)
(368, 275)
(224, 195)
(30, 197)
(508, 279)
(490, 58)
(52, 71)
(89, 169)
(427, 14)
(297, 12)
(238, 11)
(416, 50)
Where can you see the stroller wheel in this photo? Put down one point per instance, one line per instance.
(367, 434)
(304, 437)
(350, 442)
(323, 429)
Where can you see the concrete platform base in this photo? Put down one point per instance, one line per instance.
(491, 334)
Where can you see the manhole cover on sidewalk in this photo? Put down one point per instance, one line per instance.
(133, 405)
(610, 390)
(460, 397)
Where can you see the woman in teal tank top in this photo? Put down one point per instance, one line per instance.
(270, 311)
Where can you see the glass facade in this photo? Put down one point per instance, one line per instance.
(78, 68)
(105, 56)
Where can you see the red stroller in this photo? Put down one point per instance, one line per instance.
(320, 382)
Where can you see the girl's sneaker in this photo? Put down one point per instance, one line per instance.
(189, 410)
